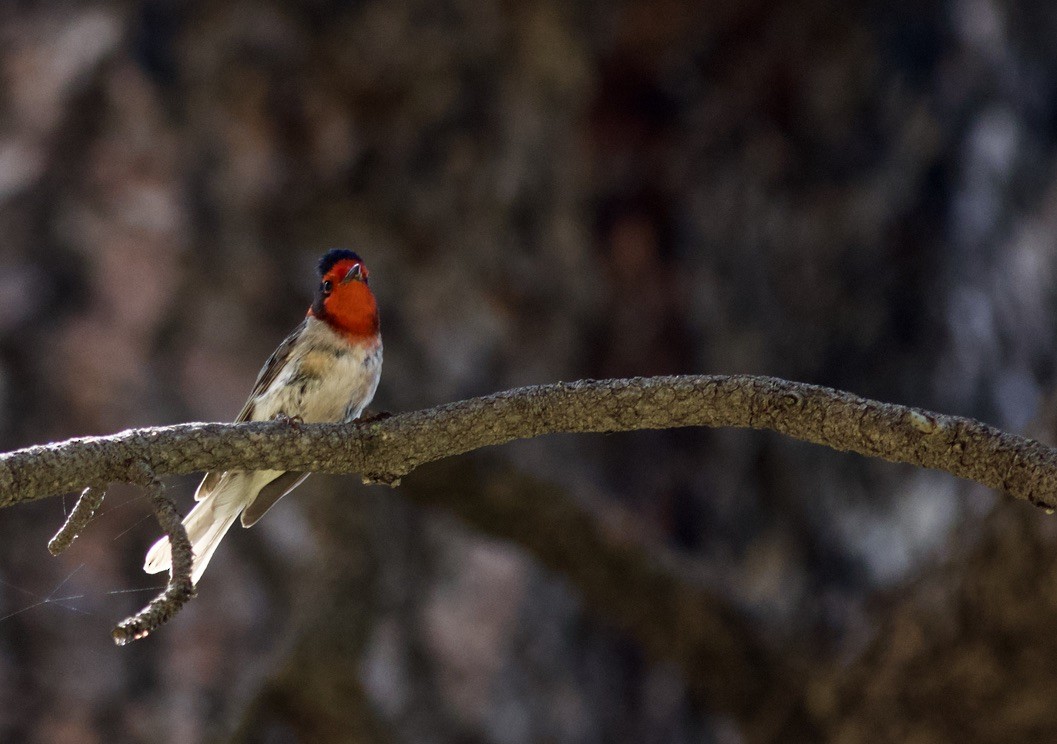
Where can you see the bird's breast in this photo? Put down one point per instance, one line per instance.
(324, 382)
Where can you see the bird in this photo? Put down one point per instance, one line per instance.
(326, 370)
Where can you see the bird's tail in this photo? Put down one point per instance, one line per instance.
(206, 525)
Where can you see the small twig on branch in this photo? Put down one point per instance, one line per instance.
(82, 514)
(179, 589)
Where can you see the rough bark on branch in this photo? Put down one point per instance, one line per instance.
(385, 450)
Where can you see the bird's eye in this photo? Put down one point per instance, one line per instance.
(326, 286)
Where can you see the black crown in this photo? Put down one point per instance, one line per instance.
(334, 255)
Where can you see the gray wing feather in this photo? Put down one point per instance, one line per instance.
(271, 493)
(271, 370)
(208, 484)
(265, 377)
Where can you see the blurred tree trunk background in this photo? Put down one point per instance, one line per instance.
(852, 194)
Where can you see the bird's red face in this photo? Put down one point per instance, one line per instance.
(343, 298)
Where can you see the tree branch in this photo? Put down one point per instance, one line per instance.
(179, 589)
(631, 584)
(82, 513)
(385, 450)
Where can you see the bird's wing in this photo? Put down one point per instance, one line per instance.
(265, 378)
(271, 493)
(271, 370)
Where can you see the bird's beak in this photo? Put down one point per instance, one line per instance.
(354, 274)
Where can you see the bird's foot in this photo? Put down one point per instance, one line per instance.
(294, 421)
